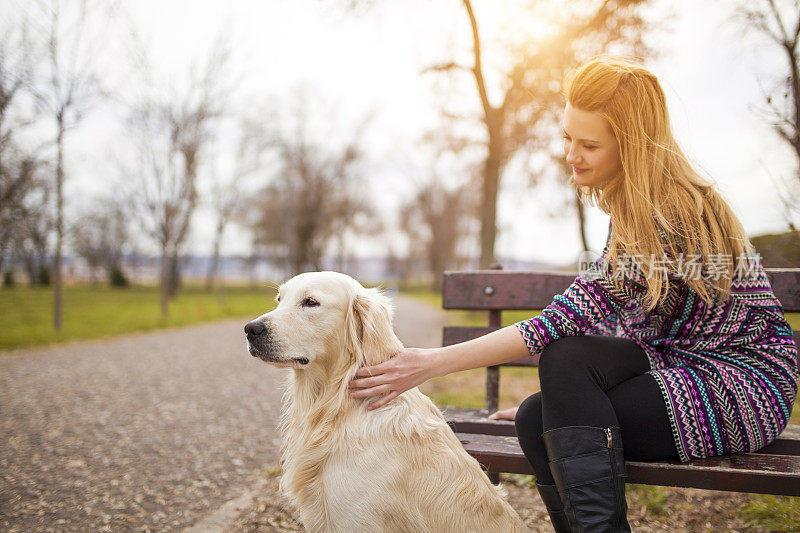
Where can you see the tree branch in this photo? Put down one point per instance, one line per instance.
(445, 67)
(477, 70)
(778, 21)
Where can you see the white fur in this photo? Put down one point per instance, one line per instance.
(399, 468)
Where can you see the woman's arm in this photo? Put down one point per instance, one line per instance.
(585, 303)
(412, 366)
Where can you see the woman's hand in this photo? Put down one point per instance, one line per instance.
(405, 370)
(504, 414)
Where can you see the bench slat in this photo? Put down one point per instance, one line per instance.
(752, 472)
(787, 443)
(466, 420)
(786, 286)
(456, 334)
(496, 289)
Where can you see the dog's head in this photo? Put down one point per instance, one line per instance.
(324, 318)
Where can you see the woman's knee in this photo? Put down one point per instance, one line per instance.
(562, 355)
(528, 419)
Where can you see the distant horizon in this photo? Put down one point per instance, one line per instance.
(232, 267)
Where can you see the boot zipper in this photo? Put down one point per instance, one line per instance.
(613, 470)
(617, 502)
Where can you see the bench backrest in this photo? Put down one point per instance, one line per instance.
(496, 290)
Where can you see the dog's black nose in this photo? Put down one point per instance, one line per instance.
(254, 328)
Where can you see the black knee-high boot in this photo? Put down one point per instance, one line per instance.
(555, 507)
(589, 470)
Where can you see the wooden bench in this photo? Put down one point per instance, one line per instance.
(774, 469)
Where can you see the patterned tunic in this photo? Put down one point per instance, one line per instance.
(727, 371)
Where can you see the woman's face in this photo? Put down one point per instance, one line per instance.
(590, 147)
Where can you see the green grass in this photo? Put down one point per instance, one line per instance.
(467, 389)
(656, 499)
(26, 313)
(776, 513)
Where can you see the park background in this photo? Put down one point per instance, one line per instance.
(166, 163)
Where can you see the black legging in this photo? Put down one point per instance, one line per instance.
(601, 382)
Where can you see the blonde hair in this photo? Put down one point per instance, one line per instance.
(659, 205)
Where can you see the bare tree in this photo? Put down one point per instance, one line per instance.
(779, 21)
(18, 164)
(100, 235)
(16, 70)
(29, 229)
(530, 87)
(229, 196)
(20, 191)
(67, 92)
(172, 134)
(315, 198)
(436, 220)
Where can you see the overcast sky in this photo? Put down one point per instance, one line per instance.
(370, 63)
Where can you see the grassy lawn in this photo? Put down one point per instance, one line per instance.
(26, 313)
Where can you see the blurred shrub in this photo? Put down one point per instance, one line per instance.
(43, 277)
(117, 278)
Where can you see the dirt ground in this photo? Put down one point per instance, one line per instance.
(685, 510)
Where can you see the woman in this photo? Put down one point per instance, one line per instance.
(670, 346)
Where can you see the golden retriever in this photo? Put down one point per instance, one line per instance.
(398, 468)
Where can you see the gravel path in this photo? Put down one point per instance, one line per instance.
(419, 325)
(144, 432)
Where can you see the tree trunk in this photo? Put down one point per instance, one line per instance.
(296, 265)
(437, 268)
(213, 268)
(57, 281)
(493, 119)
(491, 185)
(341, 260)
(30, 268)
(794, 80)
(165, 268)
(174, 274)
(251, 267)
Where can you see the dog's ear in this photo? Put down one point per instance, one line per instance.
(369, 328)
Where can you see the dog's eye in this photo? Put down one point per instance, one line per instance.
(310, 302)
